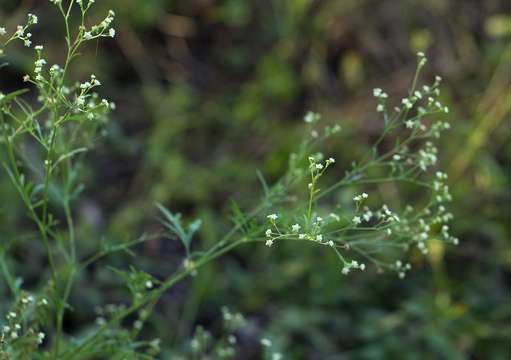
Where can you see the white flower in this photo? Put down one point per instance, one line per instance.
(111, 32)
(268, 232)
(364, 195)
(345, 270)
(43, 301)
(41, 337)
(380, 108)
(269, 242)
(336, 217)
(331, 160)
(319, 166)
(396, 157)
(377, 92)
(149, 284)
(319, 237)
(301, 236)
(356, 220)
(362, 267)
(296, 227)
(2, 31)
(87, 35)
(319, 219)
(407, 103)
(266, 342)
(272, 216)
(331, 243)
(409, 124)
(32, 18)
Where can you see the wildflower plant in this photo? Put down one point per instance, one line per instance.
(66, 121)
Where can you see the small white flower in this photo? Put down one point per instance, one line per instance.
(11, 315)
(301, 236)
(319, 219)
(32, 18)
(2, 31)
(396, 157)
(111, 32)
(345, 270)
(335, 216)
(268, 232)
(409, 124)
(380, 108)
(14, 335)
(356, 220)
(367, 216)
(319, 237)
(20, 31)
(406, 102)
(331, 160)
(377, 92)
(149, 284)
(319, 166)
(331, 243)
(362, 267)
(41, 337)
(364, 195)
(269, 242)
(296, 227)
(272, 216)
(87, 35)
(266, 342)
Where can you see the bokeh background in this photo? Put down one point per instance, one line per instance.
(208, 92)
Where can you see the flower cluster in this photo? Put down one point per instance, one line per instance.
(103, 29)
(23, 322)
(369, 230)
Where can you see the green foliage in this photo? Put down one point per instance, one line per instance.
(235, 80)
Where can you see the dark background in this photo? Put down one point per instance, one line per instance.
(207, 92)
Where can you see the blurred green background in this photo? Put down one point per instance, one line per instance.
(207, 92)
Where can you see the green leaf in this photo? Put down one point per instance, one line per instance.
(172, 222)
(263, 183)
(14, 94)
